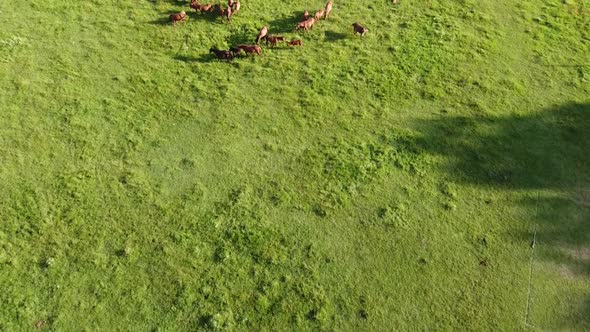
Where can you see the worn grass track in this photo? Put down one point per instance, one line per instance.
(391, 182)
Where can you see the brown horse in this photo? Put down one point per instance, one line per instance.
(263, 32)
(200, 8)
(236, 6)
(251, 49)
(306, 15)
(306, 25)
(178, 17)
(273, 40)
(358, 28)
(295, 42)
(318, 14)
(222, 54)
(328, 8)
(206, 8)
(228, 13)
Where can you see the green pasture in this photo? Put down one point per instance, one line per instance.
(394, 182)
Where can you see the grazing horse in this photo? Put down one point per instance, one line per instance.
(200, 8)
(295, 42)
(318, 14)
(273, 40)
(219, 9)
(263, 32)
(358, 28)
(222, 54)
(251, 49)
(228, 13)
(178, 17)
(206, 8)
(328, 8)
(306, 25)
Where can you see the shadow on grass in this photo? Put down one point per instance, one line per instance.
(164, 20)
(547, 152)
(533, 152)
(210, 17)
(203, 58)
(174, 2)
(285, 24)
(242, 37)
(334, 36)
(280, 47)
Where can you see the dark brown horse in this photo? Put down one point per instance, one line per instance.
(358, 28)
(195, 5)
(218, 9)
(222, 54)
(295, 42)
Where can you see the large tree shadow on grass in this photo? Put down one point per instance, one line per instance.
(546, 150)
(548, 153)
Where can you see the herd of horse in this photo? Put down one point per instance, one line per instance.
(233, 6)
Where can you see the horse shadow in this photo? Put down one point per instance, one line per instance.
(174, 2)
(161, 21)
(211, 17)
(286, 24)
(203, 58)
(334, 36)
(243, 36)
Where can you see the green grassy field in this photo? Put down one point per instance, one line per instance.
(393, 182)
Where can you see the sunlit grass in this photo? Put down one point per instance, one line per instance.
(391, 182)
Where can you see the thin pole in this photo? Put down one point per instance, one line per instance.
(533, 244)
